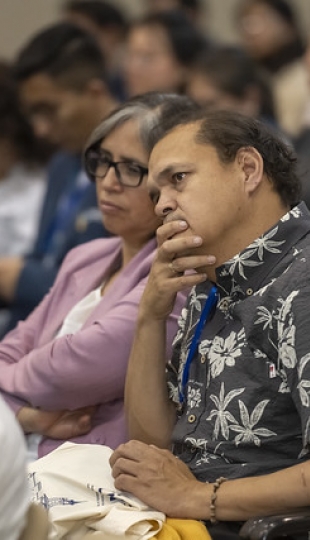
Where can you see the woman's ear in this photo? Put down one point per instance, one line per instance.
(252, 167)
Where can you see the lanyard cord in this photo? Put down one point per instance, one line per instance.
(205, 315)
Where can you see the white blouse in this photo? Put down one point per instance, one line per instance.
(71, 324)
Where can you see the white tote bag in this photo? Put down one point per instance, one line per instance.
(74, 483)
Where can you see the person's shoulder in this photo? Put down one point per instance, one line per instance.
(93, 249)
(296, 271)
(62, 160)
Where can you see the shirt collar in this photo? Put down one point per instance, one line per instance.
(245, 272)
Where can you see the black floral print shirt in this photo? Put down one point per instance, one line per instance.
(247, 401)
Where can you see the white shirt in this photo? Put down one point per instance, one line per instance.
(80, 313)
(72, 323)
(21, 197)
(14, 496)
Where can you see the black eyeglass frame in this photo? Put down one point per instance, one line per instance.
(93, 175)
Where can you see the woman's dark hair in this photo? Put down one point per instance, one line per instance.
(282, 7)
(14, 125)
(275, 60)
(228, 132)
(186, 40)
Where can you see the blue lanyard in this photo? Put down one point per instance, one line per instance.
(205, 314)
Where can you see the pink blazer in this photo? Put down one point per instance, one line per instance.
(89, 367)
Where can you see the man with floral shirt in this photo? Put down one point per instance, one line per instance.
(237, 403)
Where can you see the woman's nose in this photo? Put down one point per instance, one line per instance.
(110, 181)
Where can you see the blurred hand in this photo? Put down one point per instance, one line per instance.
(10, 269)
(56, 424)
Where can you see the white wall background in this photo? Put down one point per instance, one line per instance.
(19, 19)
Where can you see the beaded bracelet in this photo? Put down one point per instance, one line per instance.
(216, 486)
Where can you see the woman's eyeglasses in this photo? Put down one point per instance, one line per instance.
(128, 173)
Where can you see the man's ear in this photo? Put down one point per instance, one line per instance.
(252, 166)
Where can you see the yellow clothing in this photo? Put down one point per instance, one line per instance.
(182, 529)
(172, 529)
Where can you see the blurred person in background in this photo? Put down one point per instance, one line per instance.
(109, 25)
(161, 47)
(22, 172)
(225, 76)
(302, 142)
(60, 73)
(270, 33)
(22, 176)
(192, 8)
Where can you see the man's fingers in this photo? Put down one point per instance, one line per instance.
(182, 264)
(168, 230)
(178, 246)
(133, 450)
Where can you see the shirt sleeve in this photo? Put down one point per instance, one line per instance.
(292, 325)
(76, 370)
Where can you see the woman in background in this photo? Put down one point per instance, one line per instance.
(22, 176)
(160, 49)
(270, 33)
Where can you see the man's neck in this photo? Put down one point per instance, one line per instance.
(258, 224)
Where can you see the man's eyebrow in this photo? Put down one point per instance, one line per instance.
(170, 169)
(165, 172)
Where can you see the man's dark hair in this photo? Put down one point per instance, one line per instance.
(233, 71)
(102, 13)
(192, 4)
(64, 52)
(228, 132)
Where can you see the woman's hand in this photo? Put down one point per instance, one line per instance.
(56, 424)
(176, 267)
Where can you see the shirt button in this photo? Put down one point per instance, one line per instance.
(191, 418)
(249, 292)
(224, 304)
(203, 359)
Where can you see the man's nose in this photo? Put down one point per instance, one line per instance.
(164, 205)
(42, 127)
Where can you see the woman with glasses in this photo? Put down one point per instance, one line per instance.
(63, 369)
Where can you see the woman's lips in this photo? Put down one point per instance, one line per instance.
(108, 207)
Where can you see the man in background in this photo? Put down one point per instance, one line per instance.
(61, 75)
(109, 26)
